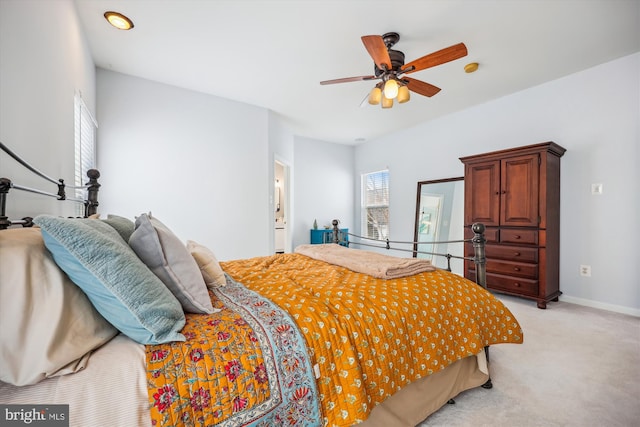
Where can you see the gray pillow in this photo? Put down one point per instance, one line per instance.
(124, 226)
(170, 260)
(118, 284)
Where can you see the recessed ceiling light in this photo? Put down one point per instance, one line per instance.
(118, 20)
(471, 67)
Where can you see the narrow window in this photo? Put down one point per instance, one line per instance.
(85, 148)
(375, 205)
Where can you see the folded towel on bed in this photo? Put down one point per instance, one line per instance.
(372, 263)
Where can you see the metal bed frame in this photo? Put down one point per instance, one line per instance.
(90, 203)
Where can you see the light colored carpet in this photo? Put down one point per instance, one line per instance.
(578, 366)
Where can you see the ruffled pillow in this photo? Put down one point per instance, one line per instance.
(208, 263)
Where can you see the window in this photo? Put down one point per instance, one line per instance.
(85, 147)
(375, 205)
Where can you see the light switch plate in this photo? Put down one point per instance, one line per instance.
(596, 189)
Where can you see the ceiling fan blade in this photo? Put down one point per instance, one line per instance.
(347, 79)
(378, 51)
(421, 87)
(436, 58)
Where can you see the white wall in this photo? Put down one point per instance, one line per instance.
(199, 163)
(156, 142)
(594, 114)
(323, 186)
(44, 60)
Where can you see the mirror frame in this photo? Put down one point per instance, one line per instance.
(417, 217)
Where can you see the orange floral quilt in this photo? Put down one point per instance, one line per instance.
(369, 337)
(246, 365)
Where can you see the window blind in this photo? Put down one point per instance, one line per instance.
(375, 194)
(85, 147)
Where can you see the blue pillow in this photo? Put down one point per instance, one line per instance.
(118, 284)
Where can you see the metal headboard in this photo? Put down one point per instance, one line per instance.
(90, 203)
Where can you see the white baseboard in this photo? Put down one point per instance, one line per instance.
(601, 305)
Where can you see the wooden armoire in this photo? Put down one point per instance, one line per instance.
(515, 193)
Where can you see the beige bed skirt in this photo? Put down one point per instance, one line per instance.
(415, 402)
(112, 390)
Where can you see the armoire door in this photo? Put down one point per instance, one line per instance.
(519, 191)
(482, 193)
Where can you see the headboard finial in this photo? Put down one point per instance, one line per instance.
(5, 185)
(91, 204)
(93, 174)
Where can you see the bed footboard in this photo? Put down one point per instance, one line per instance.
(478, 242)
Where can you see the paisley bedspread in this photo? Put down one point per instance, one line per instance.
(369, 337)
(246, 365)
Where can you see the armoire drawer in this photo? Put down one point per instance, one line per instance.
(512, 253)
(519, 236)
(517, 285)
(512, 268)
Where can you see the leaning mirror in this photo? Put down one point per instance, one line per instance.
(440, 217)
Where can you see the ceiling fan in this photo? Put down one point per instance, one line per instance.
(390, 69)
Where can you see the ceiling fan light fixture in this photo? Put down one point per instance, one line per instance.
(403, 94)
(375, 96)
(390, 68)
(118, 20)
(391, 89)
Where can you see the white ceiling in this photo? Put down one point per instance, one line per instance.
(273, 54)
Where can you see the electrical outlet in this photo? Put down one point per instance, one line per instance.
(596, 189)
(585, 270)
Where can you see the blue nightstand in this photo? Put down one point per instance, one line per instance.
(326, 236)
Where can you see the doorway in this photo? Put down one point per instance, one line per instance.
(281, 206)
